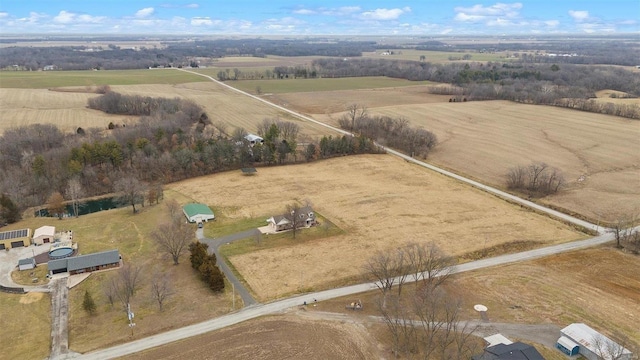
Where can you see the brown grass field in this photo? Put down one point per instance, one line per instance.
(67, 110)
(571, 287)
(484, 139)
(28, 318)
(380, 201)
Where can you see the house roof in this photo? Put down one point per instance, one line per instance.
(27, 261)
(14, 234)
(515, 351)
(585, 336)
(283, 219)
(85, 261)
(44, 231)
(252, 137)
(194, 209)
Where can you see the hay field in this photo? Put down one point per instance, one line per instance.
(27, 318)
(224, 105)
(67, 110)
(380, 201)
(485, 139)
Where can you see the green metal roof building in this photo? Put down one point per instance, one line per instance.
(197, 212)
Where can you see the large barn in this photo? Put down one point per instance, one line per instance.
(197, 213)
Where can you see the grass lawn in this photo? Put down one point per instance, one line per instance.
(191, 302)
(28, 319)
(323, 84)
(50, 79)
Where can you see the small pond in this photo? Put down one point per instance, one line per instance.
(87, 207)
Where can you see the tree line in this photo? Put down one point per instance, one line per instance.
(392, 132)
(134, 161)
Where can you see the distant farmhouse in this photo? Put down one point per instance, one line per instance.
(581, 339)
(15, 238)
(197, 213)
(254, 139)
(307, 218)
(85, 263)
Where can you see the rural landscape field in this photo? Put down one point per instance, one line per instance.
(186, 141)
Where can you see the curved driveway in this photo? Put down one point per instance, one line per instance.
(214, 244)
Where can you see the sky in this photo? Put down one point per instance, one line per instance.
(320, 17)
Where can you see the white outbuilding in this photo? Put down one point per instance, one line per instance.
(591, 344)
(44, 235)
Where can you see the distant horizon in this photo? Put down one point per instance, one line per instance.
(332, 18)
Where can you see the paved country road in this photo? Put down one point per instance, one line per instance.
(258, 310)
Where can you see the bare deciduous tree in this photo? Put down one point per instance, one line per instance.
(55, 205)
(173, 236)
(75, 192)
(608, 349)
(125, 283)
(131, 191)
(428, 263)
(161, 288)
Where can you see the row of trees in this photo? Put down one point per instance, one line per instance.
(205, 264)
(424, 321)
(393, 132)
(538, 179)
(39, 160)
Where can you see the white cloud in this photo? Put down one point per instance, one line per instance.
(146, 12)
(552, 23)
(3, 14)
(304, 12)
(200, 21)
(385, 14)
(192, 6)
(64, 17)
(498, 13)
(579, 15)
(33, 19)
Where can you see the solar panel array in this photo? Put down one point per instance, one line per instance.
(14, 234)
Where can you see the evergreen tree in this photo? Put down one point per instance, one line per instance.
(198, 254)
(9, 212)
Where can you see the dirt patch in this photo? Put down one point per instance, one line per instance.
(277, 337)
(380, 201)
(31, 297)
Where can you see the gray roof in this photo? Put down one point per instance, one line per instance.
(85, 261)
(27, 261)
(515, 351)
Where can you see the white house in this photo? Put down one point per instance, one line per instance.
(306, 218)
(44, 235)
(254, 139)
(591, 344)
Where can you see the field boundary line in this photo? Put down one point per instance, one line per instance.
(494, 191)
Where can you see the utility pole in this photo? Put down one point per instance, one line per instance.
(130, 315)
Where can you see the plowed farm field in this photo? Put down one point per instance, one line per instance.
(380, 201)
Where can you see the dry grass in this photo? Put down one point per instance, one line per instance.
(274, 337)
(67, 110)
(28, 319)
(380, 201)
(26, 277)
(484, 139)
(130, 234)
(600, 287)
(224, 105)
